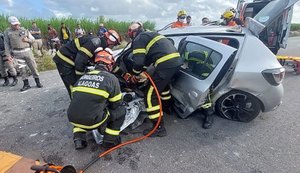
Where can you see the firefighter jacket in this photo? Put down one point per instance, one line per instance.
(96, 97)
(79, 52)
(152, 48)
(178, 24)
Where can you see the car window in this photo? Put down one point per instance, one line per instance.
(226, 40)
(200, 60)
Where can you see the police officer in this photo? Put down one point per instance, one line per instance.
(6, 65)
(96, 103)
(17, 42)
(151, 48)
(72, 59)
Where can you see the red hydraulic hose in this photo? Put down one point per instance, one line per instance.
(133, 140)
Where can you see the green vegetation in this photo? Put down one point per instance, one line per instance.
(295, 27)
(90, 25)
(45, 63)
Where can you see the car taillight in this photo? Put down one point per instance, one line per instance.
(274, 76)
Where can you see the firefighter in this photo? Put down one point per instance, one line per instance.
(230, 19)
(71, 60)
(181, 15)
(151, 48)
(97, 103)
(194, 60)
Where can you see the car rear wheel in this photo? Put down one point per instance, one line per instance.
(238, 106)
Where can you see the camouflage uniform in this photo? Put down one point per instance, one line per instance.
(6, 65)
(16, 47)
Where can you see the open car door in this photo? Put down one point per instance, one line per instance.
(276, 16)
(205, 65)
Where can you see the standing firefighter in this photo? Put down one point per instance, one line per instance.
(97, 102)
(151, 48)
(17, 44)
(6, 65)
(71, 60)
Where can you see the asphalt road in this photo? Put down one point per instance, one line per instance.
(34, 124)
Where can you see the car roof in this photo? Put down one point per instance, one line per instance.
(190, 30)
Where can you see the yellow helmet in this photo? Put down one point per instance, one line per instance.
(228, 15)
(181, 13)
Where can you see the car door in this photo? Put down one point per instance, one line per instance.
(276, 16)
(203, 61)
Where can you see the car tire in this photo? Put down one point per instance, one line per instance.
(238, 106)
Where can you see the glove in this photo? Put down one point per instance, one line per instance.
(127, 77)
(134, 79)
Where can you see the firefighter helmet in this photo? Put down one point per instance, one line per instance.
(104, 56)
(181, 13)
(228, 15)
(134, 27)
(113, 37)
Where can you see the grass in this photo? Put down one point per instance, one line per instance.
(45, 63)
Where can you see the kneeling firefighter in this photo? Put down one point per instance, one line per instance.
(97, 103)
(71, 60)
(150, 48)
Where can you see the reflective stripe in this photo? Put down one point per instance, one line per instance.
(154, 116)
(154, 108)
(92, 126)
(165, 92)
(83, 49)
(207, 105)
(112, 132)
(116, 69)
(87, 52)
(76, 40)
(21, 51)
(166, 58)
(63, 57)
(79, 73)
(94, 72)
(166, 98)
(136, 71)
(150, 44)
(77, 130)
(149, 94)
(71, 89)
(94, 91)
(205, 74)
(136, 51)
(115, 98)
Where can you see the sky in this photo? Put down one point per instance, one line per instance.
(162, 12)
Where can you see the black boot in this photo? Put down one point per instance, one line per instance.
(14, 83)
(79, 141)
(38, 84)
(167, 106)
(79, 144)
(160, 131)
(6, 81)
(26, 85)
(209, 119)
(110, 141)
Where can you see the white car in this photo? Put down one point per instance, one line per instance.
(233, 65)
